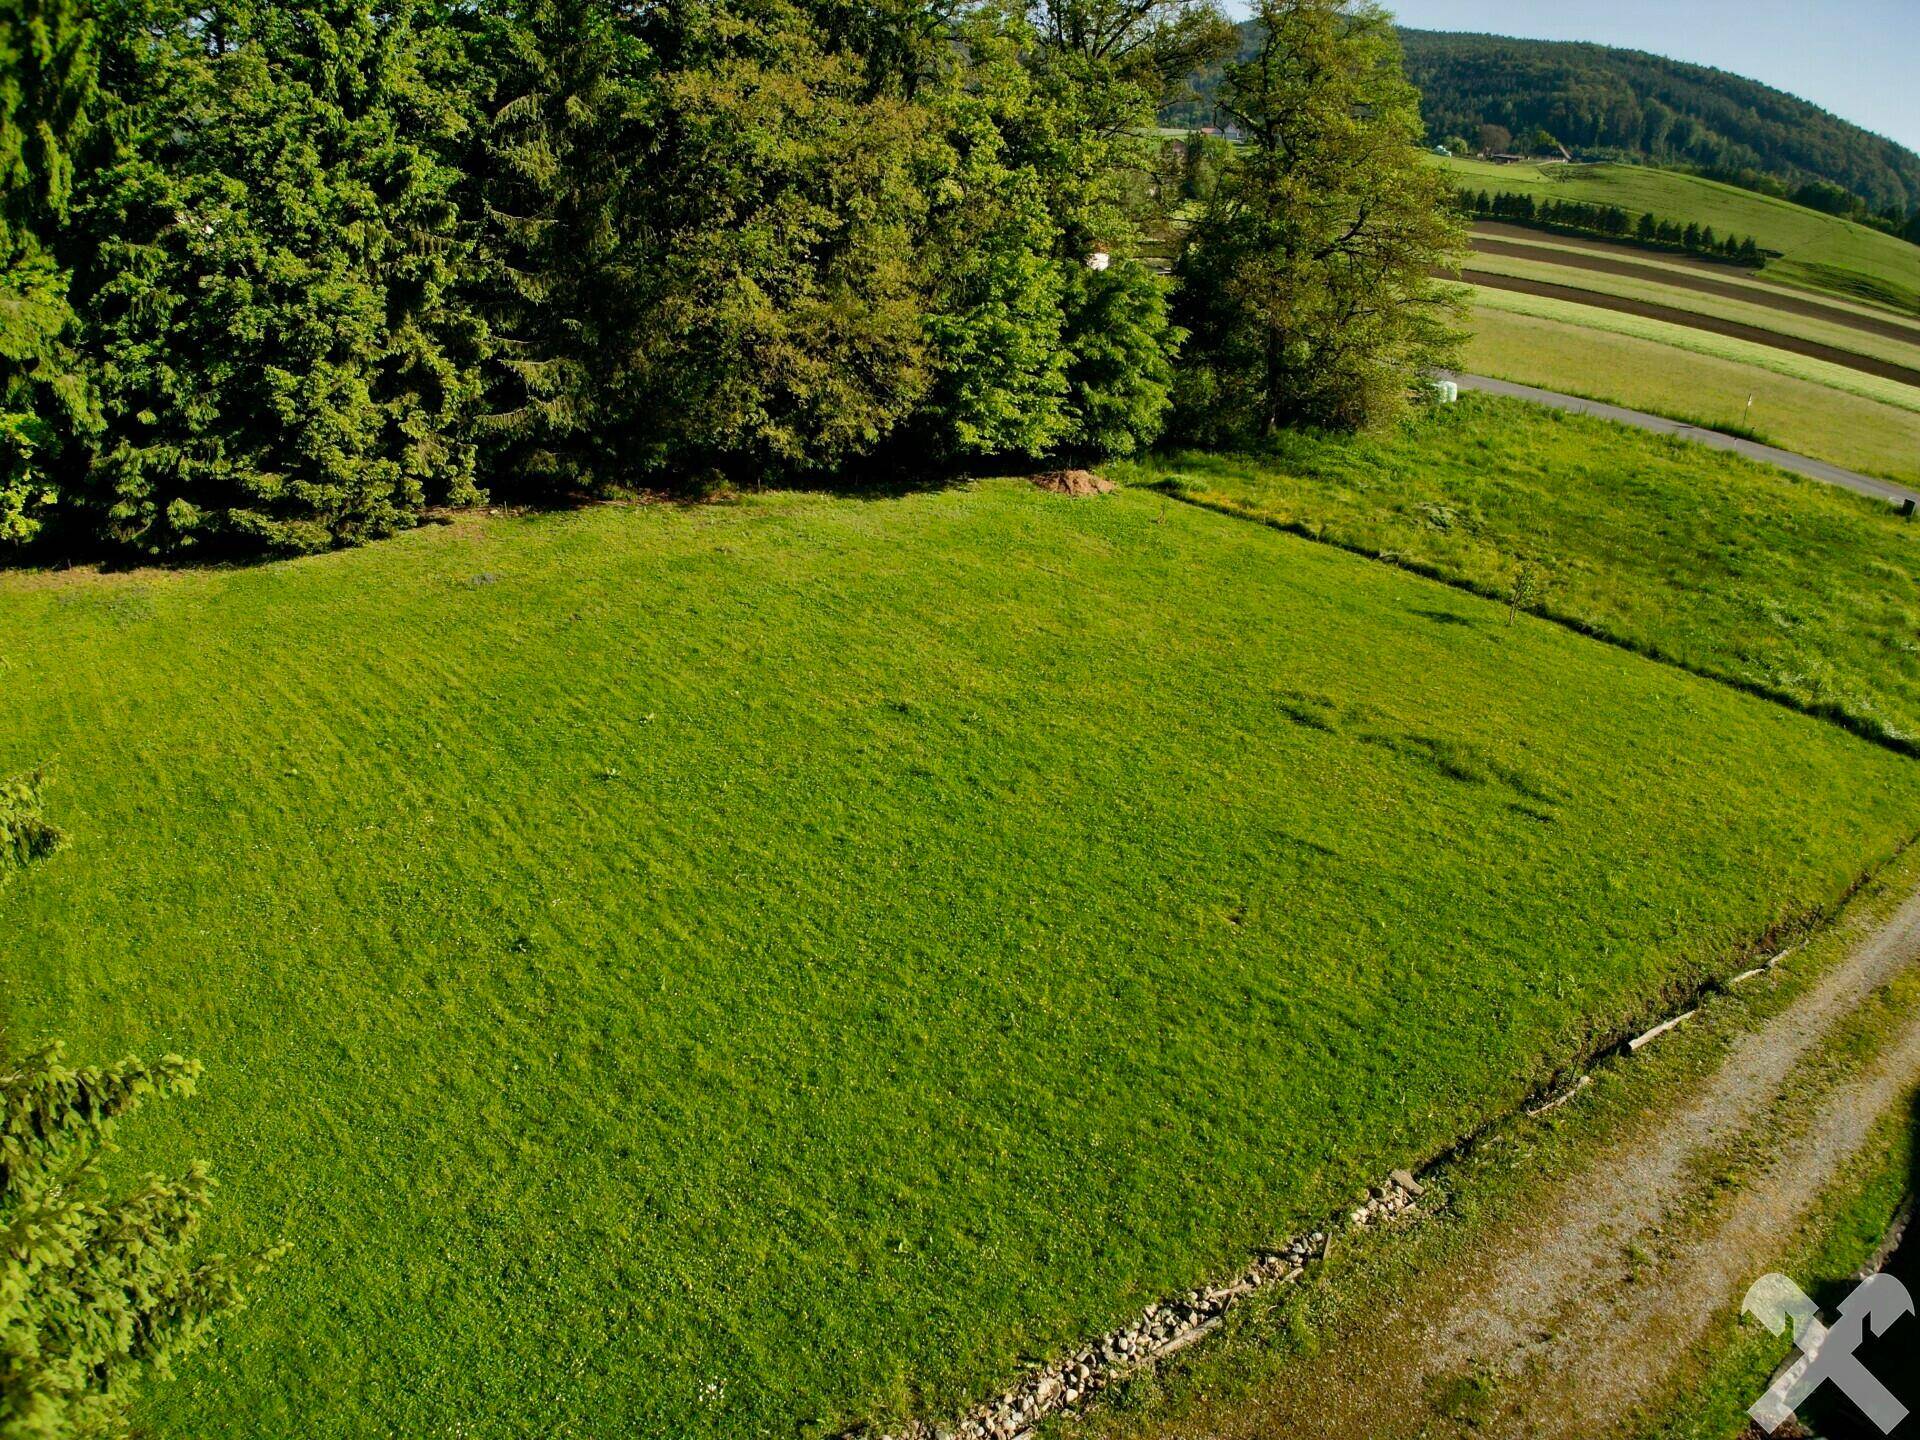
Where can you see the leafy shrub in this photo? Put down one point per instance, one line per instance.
(25, 832)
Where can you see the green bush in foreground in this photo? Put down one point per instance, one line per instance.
(25, 832)
(96, 1289)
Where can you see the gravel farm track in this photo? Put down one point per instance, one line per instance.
(1573, 1315)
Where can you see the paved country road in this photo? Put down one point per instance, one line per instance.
(1660, 424)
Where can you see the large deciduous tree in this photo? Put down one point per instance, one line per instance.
(784, 329)
(1307, 282)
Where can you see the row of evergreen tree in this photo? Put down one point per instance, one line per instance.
(1611, 221)
(281, 274)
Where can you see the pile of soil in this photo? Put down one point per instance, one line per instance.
(1073, 482)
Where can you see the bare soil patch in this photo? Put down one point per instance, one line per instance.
(1073, 482)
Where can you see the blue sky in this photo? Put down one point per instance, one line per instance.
(1858, 58)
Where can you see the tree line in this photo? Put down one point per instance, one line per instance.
(1581, 217)
(285, 274)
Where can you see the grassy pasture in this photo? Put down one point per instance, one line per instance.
(1732, 568)
(1755, 313)
(1794, 413)
(1818, 252)
(736, 971)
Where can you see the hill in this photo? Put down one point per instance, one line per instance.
(1625, 104)
(1607, 104)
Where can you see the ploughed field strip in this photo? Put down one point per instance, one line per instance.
(757, 969)
(1698, 319)
(1811, 251)
(1673, 271)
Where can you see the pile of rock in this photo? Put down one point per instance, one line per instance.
(1160, 1330)
(1390, 1201)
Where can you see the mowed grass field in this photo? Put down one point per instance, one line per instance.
(1797, 404)
(1801, 589)
(746, 970)
(1817, 252)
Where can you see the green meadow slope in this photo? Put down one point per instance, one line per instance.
(1795, 588)
(745, 970)
(1786, 400)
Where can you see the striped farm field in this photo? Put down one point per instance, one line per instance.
(1814, 251)
(1755, 315)
(1700, 342)
(1585, 256)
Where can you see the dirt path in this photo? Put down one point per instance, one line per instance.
(1767, 454)
(1675, 315)
(1574, 1312)
(1693, 279)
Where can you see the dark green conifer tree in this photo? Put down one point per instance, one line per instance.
(281, 352)
(48, 85)
(568, 106)
(996, 286)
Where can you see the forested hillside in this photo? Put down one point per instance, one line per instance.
(1624, 104)
(1607, 104)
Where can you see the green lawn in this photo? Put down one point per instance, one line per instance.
(1790, 411)
(1799, 588)
(1818, 252)
(736, 971)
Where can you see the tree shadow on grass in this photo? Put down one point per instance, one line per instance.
(894, 477)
